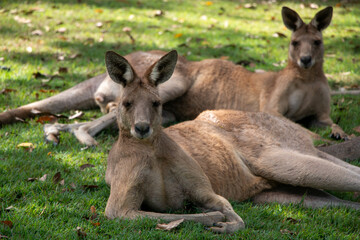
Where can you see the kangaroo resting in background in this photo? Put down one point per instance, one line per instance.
(220, 155)
(299, 91)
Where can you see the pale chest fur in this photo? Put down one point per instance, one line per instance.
(304, 99)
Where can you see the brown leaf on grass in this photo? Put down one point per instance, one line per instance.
(62, 37)
(37, 32)
(10, 208)
(31, 179)
(62, 182)
(57, 178)
(159, 13)
(46, 91)
(61, 30)
(7, 223)
(90, 187)
(75, 55)
(22, 20)
(39, 75)
(77, 114)
(286, 231)
(170, 225)
(250, 5)
(313, 6)
(96, 224)
(293, 220)
(93, 213)
(87, 165)
(357, 129)
(99, 10)
(25, 145)
(72, 185)
(279, 34)
(80, 232)
(63, 70)
(43, 178)
(47, 119)
(7, 90)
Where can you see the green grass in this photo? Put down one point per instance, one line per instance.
(46, 210)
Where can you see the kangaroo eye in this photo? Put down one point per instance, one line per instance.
(156, 103)
(127, 104)
(294, 43)
(317, 42)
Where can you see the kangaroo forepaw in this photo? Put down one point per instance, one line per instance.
(228, 227)
(338, 134)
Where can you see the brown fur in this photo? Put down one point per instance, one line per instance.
(220, 155)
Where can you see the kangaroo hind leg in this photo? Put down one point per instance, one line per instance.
(307, 197)
(297, 169)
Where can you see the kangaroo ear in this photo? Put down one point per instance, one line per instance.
(291, 19)
(164, 68)
(322, 19)
(118, 68)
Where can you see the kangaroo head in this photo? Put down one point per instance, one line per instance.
(139, 108)
(306, 47)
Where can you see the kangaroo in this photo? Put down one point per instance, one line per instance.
(299, 92)
(223, 154)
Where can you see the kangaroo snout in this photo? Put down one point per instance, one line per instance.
(306, 61)
(142, 129)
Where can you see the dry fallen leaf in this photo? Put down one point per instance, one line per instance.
(9, 208)
(57, 178)
(37, 32)
(22, 20)
(77, 114)
(170, 225)
(7, 223)
(178, 35)
(99, 11)
(90, 187)
(279, 34)
(31, 179)
(159, 13)
(250, 5)
(357, 129)
(87, 165)
(80, 232)
(286, 231)
(25, 145)
(7, 90)
(61, 30)
(43, 178)
(63, 70)
(47, 119)
(313, 6)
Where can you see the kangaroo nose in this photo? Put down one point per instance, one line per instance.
(306, 60)
(142, 128)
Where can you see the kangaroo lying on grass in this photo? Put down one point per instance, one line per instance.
(220, 155)
(297, 92)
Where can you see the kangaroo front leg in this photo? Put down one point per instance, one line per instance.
(336, 130)
(84, 132)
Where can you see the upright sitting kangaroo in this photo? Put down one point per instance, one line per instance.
(299, 91)
(220, 155)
